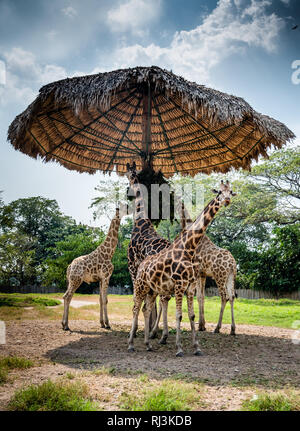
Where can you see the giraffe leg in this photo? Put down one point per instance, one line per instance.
(190, 303)
(154, 330)
(223, 304)
(165, 333)
(163, 309)
(101, 306)
(72, 287)
(232, 332)
(104, 301)
(200, 299)
(147, 309)
(138, 298)
(178, 298)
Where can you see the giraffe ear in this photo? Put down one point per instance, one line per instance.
(215, 191)
(128, 167)
(233, 194)
(134, 166)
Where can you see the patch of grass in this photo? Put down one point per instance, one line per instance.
(272, 402)
(70, 376)
(3, 376)
(52, 396)
(105, 371)
(19, 300)
(11, 362)
(8, 363)
(167, 396)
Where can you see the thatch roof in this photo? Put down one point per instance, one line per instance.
(95, 122)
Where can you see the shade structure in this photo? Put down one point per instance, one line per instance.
(147, 115)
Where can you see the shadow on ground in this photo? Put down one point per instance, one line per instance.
(257, 355)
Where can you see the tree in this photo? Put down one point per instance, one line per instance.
(278, 266)
(17, 255)
(280, 175)
(37, 218)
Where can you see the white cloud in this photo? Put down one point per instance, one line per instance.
(133, 15)
(230, 28)
(69, 11)
(24, 76)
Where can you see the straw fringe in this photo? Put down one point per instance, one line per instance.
(93, 123)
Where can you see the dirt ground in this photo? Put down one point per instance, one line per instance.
(231, 369)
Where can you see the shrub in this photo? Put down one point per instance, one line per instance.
(169, 396)
(12, 362)
(272, 402)
(50, 396)
(11, 300)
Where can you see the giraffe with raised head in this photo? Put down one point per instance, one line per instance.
(214, 262)
(144, 241)
(92, 267)
(174, 270)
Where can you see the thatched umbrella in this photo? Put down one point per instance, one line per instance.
(147, 115)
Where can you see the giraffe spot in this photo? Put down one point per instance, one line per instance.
(174, 266)
(168, 269)
(206, 221)
(177, 254)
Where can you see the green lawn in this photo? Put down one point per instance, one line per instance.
(266, 312)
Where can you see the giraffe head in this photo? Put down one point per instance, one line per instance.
(224, 193)
(132, 174)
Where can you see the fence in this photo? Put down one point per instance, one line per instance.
(119, 290)
(254, 294)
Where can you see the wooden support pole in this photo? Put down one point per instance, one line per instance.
(146, 126)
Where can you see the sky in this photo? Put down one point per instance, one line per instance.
(243, 47)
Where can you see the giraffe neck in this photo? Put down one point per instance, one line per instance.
(111, 240)
(184, 215)
(189, 238)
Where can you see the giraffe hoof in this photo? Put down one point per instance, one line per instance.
(149, 349)
(217, 331)
(102, 325)
(233, 333)
(179, 354)
(202, 328)
(66, 328)
(131, 349)
(107, 327)
(198, 353)
(152, 336)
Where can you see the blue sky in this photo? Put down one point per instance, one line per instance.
(243, 47)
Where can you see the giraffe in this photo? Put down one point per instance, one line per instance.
(214, 262)
(174, 270)
(92, 267)
(144, 241)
